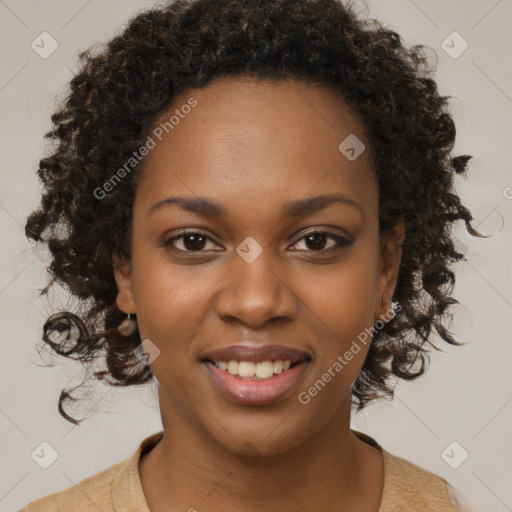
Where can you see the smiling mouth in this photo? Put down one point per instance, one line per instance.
(253, 374)
(253, 370)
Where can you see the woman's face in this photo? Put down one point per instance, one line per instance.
(251, 283)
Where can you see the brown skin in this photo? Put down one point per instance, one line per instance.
(252, 146)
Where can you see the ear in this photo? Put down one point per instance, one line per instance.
(391, 254)
(122, 274)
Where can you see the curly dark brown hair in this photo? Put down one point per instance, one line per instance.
(122, 88)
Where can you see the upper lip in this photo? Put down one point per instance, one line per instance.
(246, 351)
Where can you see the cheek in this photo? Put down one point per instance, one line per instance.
(341, 307)
(343, 295)
(170, 299)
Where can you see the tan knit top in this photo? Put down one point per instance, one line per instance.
(407, 487)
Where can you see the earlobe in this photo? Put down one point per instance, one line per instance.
(122, 275)
(391, 255)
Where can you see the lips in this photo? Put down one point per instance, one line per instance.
(250, 374)
(256, 353)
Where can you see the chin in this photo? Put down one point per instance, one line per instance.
(260, 434)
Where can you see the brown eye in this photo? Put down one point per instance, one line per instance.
(316, 241)
(189, 242)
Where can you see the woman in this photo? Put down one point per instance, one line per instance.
(253, 201)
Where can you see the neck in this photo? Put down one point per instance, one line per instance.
(332, 470)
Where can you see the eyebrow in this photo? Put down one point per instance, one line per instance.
(291, 209)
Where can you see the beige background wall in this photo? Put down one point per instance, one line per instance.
(466, 396)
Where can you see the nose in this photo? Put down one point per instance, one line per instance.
(255, 293)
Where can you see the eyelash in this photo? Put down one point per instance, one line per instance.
(341, 241)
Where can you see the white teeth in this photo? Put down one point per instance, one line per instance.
(246, 369)
(233, 367)
(252, 370)
(265, 369)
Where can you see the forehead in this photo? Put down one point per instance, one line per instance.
(256, 139)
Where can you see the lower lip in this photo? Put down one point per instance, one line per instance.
(255, 392)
